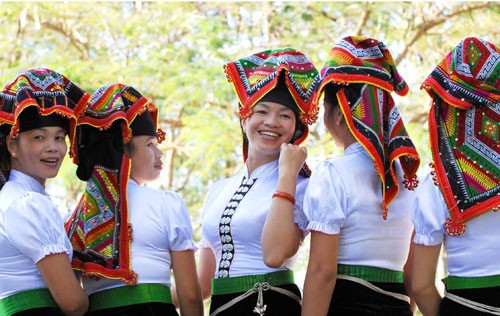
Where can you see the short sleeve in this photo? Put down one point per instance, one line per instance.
(324, 201)
(180, 228)
(36, 227)
(298, 212)
(429, 214)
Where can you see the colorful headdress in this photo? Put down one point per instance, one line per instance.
(464, 127)
(277, 73)
(363, 74)
(36, 98)
(99, 228)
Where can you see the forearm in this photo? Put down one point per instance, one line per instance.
(428, 301)
(281, 236)
(318, 290)
(192, 306)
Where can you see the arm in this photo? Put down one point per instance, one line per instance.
(407, 272)
(206, 272)
(423, 279)
(187, 285)
(321, 274)
(63, 285)
(281, 237)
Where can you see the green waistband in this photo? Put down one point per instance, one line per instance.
(458, 283)
(244, 283)
(371, 274)
(130, 295)
(22, 301)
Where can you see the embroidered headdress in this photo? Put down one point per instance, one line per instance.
(99, 228)
(37, 98)
(464, 127)
(362, 74)
(282, 75)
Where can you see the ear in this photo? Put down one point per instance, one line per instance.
(11, 145)
(244, 125)
(339, 117)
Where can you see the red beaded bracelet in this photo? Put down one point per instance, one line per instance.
(284, 195)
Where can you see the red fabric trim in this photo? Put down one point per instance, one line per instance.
(444, 184)
(125, 273)
(377, 161)
(441, 92)
(354, 78)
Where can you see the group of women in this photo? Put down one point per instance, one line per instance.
(375, 237)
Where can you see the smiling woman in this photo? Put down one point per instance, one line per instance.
(38, 110)
(251, 222)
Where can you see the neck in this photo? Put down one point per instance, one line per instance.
(254, 163)
(349, 141)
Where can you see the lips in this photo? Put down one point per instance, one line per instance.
(50, 160)
(270, 134)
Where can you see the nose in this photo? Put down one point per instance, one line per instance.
(52, 145)
(271, 120)
(158, 153)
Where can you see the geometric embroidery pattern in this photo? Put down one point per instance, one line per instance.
(464, 130)
(225, 227)
(365, 74)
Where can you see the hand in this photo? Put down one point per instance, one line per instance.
(292, 158)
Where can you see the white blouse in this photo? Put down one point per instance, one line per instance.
(475, 253)
(31, 228)
(161, 224)
(344, 197)
(235, 237)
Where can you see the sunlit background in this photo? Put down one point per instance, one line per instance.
(173, 52)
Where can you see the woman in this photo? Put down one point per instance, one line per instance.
(127, 235)
(274, 90)
(37, 110)
(455, 200)
(360, 220)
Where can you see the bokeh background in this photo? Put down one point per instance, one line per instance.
(173, 53)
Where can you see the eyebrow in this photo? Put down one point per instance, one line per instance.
(264, 104)
(44, 128)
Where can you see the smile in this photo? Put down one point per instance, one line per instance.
(50, 160)
(270, 134)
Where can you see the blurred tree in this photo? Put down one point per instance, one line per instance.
(173, 53)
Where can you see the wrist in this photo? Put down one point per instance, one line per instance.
(285, 196)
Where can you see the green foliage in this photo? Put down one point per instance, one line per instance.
(173, 53)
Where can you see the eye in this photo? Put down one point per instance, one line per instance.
(152, 144)
(260, 112)
(61, 138)
(38, 137)
(286, 115)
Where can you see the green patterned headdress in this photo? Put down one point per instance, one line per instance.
(361, 74)
(286, 69)
(36, 98)
(464, 127)
(99, 228)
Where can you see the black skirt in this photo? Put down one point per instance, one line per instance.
(277, 304)
(350, 298)
(489, 296)
(145, 309)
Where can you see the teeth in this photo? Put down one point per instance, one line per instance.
(50, 160)
(269, 134)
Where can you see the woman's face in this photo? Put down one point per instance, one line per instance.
(270, 125)
(38, 152)
(146, 159)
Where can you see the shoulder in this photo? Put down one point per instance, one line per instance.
(31, 201)
(221, 184)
